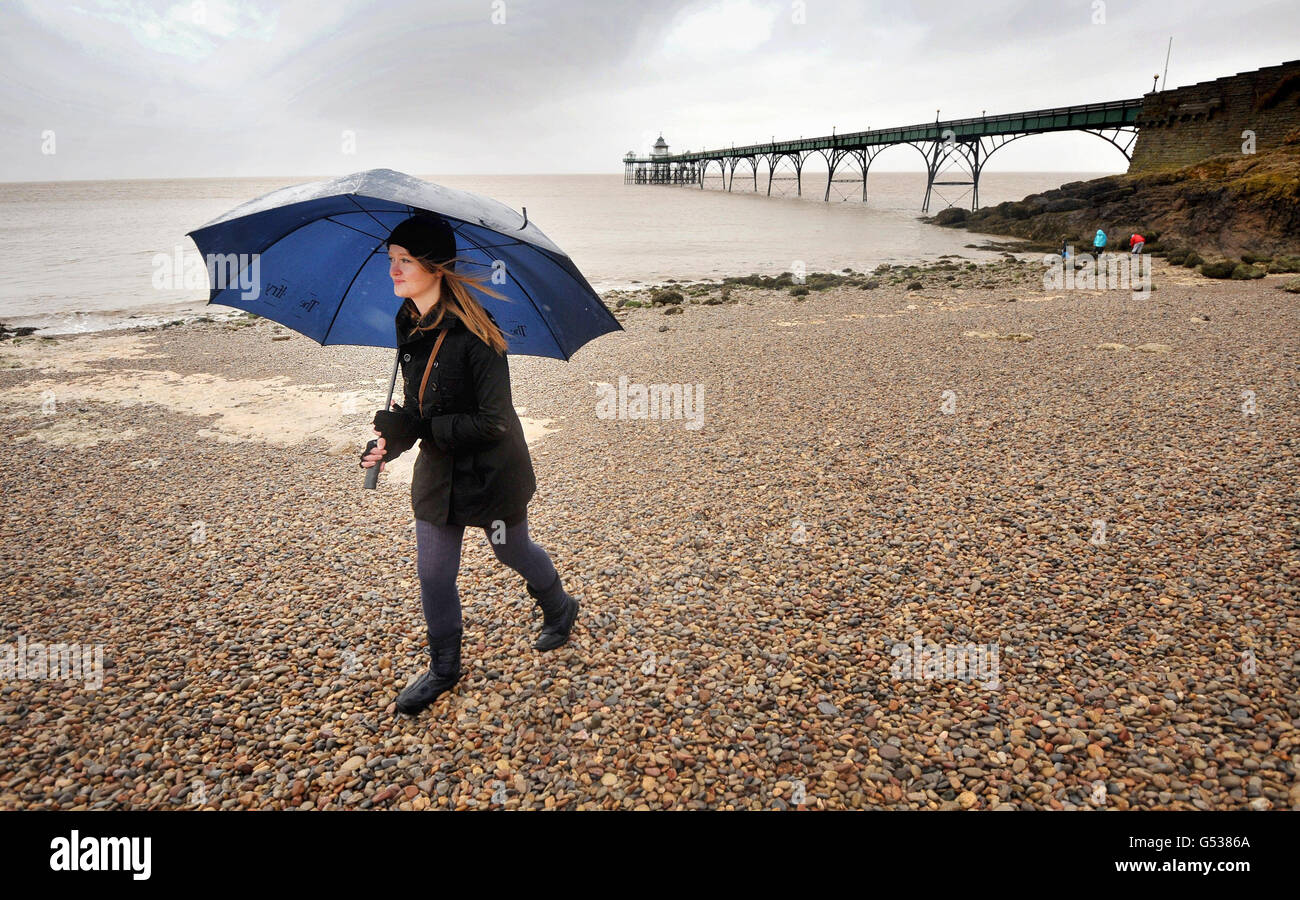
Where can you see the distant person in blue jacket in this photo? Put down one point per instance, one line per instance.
(1099, 242)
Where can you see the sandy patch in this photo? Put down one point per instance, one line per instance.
(269, 411)
(1181, 275)
(535, 429)
(69, 432)
(77, 355)
(1017, 336)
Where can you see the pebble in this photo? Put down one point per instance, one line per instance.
(739, 605)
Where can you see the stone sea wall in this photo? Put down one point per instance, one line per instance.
(1184, 126)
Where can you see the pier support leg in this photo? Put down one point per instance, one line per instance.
(931, 167)
(967, 152)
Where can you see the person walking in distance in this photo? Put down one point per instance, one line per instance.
(474, 468)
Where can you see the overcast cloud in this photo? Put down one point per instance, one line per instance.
(148, 88)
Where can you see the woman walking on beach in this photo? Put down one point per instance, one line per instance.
(474, 468)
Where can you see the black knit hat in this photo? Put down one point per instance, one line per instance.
(426, 236)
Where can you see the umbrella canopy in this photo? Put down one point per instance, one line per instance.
(317, 262)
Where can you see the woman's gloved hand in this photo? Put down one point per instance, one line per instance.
(373, 455)
(426, 430)
(399, 429)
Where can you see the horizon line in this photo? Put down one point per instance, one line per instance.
(618, 175)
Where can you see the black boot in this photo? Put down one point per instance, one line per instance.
(559, 612)
(444, 671)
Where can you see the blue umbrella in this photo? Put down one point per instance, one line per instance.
(319, 263)
(314, 258)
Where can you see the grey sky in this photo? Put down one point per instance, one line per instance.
(150, 88)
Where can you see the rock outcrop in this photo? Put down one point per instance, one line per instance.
(1228, 205)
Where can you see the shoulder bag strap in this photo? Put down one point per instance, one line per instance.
(442, 333)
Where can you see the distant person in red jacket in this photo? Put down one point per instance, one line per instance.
(1136, 242)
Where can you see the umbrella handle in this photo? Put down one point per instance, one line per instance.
(372, 474)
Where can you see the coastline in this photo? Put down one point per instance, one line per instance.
(828, 510)
(66, 323)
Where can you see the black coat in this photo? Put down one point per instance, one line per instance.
(474, 468)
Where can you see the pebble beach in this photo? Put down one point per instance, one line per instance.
(1093, 492)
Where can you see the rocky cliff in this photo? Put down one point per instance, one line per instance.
(1225, 206)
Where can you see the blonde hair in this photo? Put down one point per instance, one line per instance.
(461, 302)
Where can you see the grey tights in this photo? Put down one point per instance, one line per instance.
(438, 564)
